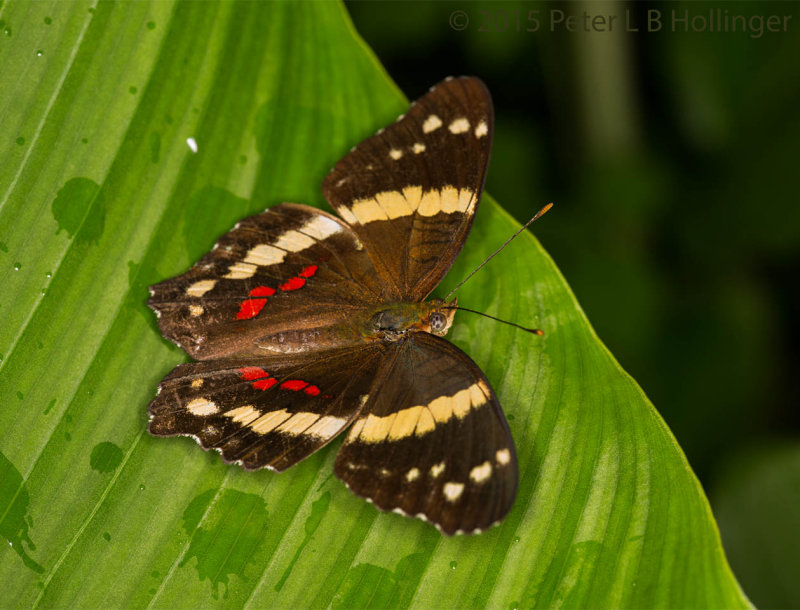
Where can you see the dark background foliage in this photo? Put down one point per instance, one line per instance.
(672, 160)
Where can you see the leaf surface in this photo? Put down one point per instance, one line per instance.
(102, 195)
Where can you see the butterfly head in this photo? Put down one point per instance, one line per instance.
(440, 316)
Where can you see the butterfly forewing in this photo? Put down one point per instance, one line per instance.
(432, 440)
(281, 270)
(264, 416)
(411, 191)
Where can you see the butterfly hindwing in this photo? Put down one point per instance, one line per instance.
(410, 192)
(431, 440)
(264, 416)
(271, 272)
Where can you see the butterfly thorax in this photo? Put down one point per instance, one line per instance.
(392, 321)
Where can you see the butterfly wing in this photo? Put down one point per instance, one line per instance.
(431, 440)
(410, 192)
(264, 416)
(286, 269)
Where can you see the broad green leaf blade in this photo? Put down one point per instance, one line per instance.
(100, 196)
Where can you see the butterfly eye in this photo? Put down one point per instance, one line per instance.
(438, 321)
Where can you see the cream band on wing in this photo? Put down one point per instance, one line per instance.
(317, 228)
(283, 421)
(388, 205)
(198, 289)
(419, 420)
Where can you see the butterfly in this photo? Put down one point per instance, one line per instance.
(306, 325)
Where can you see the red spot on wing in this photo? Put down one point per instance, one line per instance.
(250, 308)
(294, 384)
(252, 372)
(293, 284)
(262, 381)
(308, 271)
(264, 384)
(262, 291)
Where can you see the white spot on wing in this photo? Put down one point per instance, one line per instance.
(452, 491)
(412, 475)
(432, 123)
(395, 154)
(202, 407)
(481, 130)
(437, 469)
(459, 126)
(196, 310)
(503, 456)
(418, 147)
(481, 473)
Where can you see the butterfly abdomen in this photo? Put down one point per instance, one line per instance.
(313, 337)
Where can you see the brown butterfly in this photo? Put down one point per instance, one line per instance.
(305, 324)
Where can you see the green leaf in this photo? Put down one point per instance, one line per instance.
(101, 196)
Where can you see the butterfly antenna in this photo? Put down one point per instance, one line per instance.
(533, 331)
(495, 253)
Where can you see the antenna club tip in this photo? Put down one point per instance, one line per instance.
(541, 212)
(539, 332)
